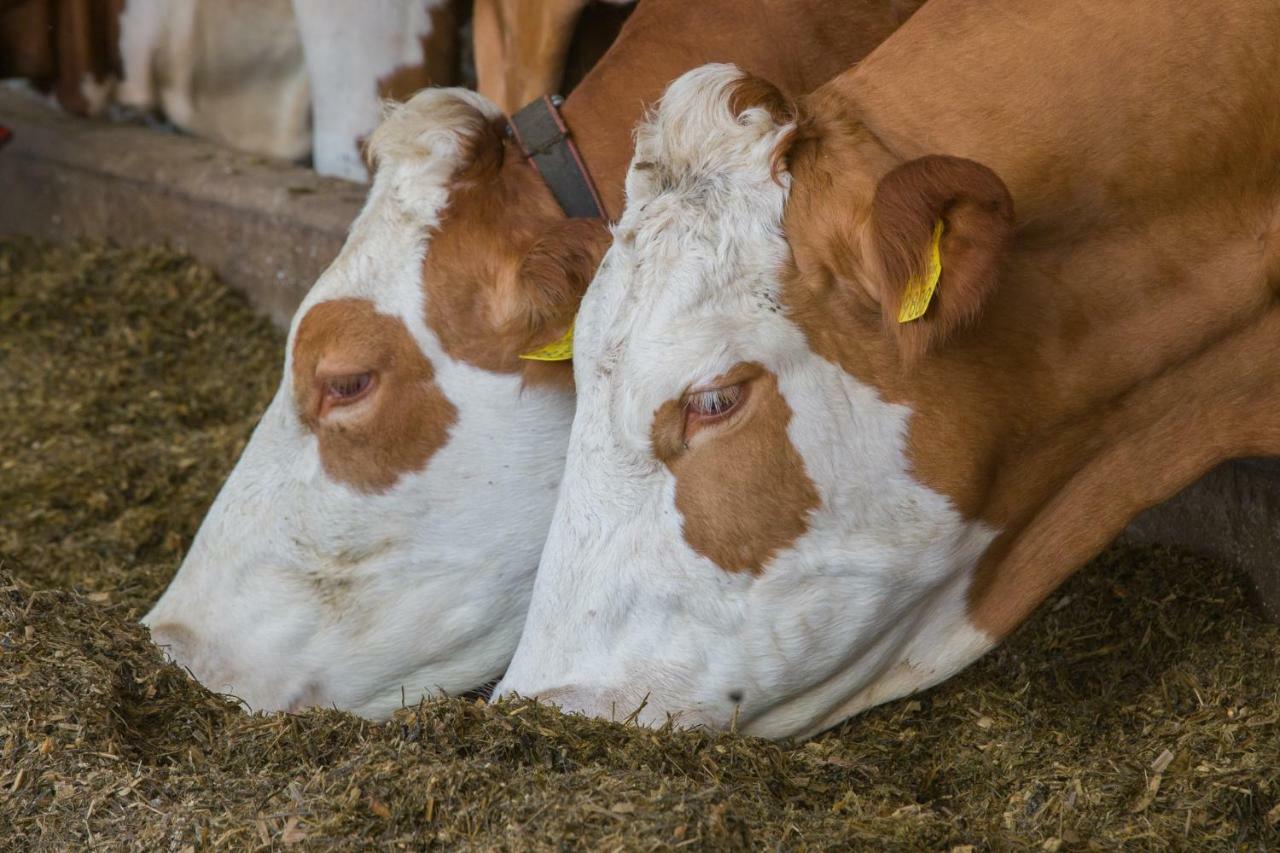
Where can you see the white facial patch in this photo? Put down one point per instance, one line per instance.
(301, 590)
(866, 605)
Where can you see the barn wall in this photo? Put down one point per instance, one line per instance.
(268, 228)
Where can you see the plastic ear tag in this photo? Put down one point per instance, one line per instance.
(920, 289)
(561, 350)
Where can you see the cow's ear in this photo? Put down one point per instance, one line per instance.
(551, 278)
(940, 227)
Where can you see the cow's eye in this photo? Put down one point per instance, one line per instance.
(714, 403)
(342, 390)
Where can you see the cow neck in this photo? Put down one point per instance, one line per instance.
(1104, 375)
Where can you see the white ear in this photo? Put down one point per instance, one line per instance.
(422, 143)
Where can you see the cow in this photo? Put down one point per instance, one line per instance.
(377, 540)
(280, 78)
(864, 377)
(228, 70)
(521, 47)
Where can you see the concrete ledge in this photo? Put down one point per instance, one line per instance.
(268, 228)
(1232, 513)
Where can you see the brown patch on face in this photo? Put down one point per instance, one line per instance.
(835, 292)
(506, 270)
(404, 420)
(742, 489)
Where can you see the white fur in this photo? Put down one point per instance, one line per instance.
(866, 606)
(349, 47)
(427, 583)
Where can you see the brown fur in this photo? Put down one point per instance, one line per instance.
(521, 46)
(525, 49)
(522, 290)
(752, 92)
(796, 46)
(403, 422)
(58, 43)
(738, 515)
(1133, 341)
(977, 216)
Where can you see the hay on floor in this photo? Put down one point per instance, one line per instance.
(1141, 706)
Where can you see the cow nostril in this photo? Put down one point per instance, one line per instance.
(735, 696)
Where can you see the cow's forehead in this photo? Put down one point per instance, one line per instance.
(419, 149)
(703, 200)
(701, 235)
(378, 261)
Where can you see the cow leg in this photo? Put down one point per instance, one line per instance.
(520, 47)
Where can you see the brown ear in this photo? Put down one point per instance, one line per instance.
(976, 212)
(551, 278)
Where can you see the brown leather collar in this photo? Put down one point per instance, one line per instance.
(540, 131)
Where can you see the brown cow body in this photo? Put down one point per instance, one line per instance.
(70, 48)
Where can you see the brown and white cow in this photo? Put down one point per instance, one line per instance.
(233, 70)
(378, 538)
(227, 70)
(800, 482)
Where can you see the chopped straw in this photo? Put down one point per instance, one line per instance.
(1139, 707)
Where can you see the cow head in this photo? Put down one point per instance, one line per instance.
(744, 533)
(378, 536)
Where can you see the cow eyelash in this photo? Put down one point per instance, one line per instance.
(714, 402)
(348, 388)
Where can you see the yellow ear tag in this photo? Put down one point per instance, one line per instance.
(561, 350)
(920, 289)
